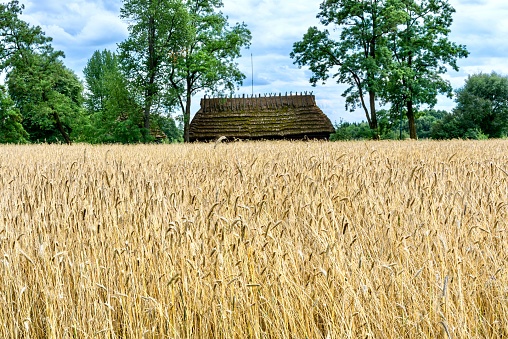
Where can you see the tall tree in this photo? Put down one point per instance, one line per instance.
(356, 55)
(157, 31)
(101, 66)
(47, 94)
(18, 39)
(421, 53)
(115, 116)
(206, 61)
(49, 97)
(484, 101)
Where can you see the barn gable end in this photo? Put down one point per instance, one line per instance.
(260, 117)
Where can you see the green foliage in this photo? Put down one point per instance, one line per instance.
(158, 32)
(345, 131)
(483, 101)
(206, 59)
(356, 56)
(421, 52)
(390, 126)
(481, 111)
(114, 114)
(169, 126)
(475, 134)
(447, 128)
(174, 50)
(393, 50)
(427, 120)
(393, 123)
(102, 68)
(17, 38)
(11, 130)
(47, 94)
(49, 97)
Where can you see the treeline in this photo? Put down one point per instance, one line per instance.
(481, 112)
(175, 49)
(390, 127)
(390, 53)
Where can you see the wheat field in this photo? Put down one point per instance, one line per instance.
(255, 240)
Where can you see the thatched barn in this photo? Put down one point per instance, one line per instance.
(293, 116)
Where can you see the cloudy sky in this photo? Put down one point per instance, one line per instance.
(80, 27)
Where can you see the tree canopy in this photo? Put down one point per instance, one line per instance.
(177, 48)
(421, 52)
(157, 31)
(114, 114)
(393, 51)
(47, 94)
(11, 130)
(356, 52)
(206, 61)
(481, 111)
(49, 97)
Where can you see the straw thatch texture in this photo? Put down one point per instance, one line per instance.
(268, 117)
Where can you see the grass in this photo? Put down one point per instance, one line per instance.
(255, 240)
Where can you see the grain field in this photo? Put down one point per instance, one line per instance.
(255, 240)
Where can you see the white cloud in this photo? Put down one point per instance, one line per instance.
(78, 27)
(481, 26)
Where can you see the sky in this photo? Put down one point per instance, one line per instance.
(80, 27)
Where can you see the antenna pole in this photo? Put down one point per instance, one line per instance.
(252, 69)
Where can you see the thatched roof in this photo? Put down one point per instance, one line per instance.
(260, 117)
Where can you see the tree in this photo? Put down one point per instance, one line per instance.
(357, 56)
(391, 125)
(49, 97)
(99, 69)
(421, 53)
(11, 130)
(18, 39)
(481, 111)
(115, 116)
(206, 60)
(173, 132)
(427, 119)
(47, 94)
(122, 118)
(157, 31)
(484, 101)
(345, 131)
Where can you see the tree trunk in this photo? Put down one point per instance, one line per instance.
(371, 77)
(410, 112)
(150, 91)
(61, 129)
(186, 117)
(146, 116)
(373, 116)
(411, 120)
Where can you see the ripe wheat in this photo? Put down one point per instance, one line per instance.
(255, 240)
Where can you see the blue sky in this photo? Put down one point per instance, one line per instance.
(80, 27)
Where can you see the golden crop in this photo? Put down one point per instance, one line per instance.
(255, 240)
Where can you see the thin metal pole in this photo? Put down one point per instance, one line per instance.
(252, 69)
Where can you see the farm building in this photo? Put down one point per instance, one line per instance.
(293, 116)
